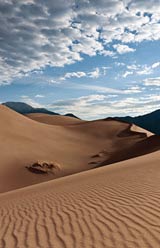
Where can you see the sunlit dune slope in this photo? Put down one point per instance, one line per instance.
(54, 119)
(74, 148)
(116, 206)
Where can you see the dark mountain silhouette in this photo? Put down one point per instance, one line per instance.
(150, 121)
(24, 108)
(71, 115)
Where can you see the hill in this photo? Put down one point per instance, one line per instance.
(54, 119)
(24, 108)
(149, 121)
(76, 147)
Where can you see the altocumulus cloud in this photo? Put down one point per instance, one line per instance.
(37, 33)
(79, 74)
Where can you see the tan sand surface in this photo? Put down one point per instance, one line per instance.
(117, 206)
(54, 119)
(74, 148)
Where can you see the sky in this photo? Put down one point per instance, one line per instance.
(92, 58)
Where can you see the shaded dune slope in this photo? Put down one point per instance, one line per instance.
(75, 147)
(113, 206)
(141, 147)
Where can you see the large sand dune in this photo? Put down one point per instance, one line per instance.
(75, 147)
(116, 206)
(54, 119)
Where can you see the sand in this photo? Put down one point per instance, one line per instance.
(116, 206)
(75, 147)
(54, 119)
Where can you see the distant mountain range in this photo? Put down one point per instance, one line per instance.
(24, 108)
(150, 122)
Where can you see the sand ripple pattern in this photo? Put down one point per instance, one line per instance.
(107, 207)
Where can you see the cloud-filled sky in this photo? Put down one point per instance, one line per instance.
(94, 58)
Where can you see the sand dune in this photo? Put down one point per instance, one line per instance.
(54, 119)
(114, 207)
(74, 147)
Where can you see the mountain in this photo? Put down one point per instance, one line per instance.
(71, 115)
(24, 108)
(150, 121)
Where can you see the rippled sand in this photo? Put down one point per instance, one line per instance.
(115, 206)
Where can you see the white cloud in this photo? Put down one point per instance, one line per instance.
(107, 90)
(105, 68)
(107, 53)
(152, 81)
(101, 106)
(39, 96)
(95, 73)
(99, 89)
(155, 65)
(123, 48)
(127, 73)
(135, 106)
(145, 6)
(145, 70)
(77, 74)
(84, 107)
(119, 63)
(31, 102)
(140, 69)
(133, 89)
(34, 34)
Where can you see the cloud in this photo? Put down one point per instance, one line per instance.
(127, 73)
(152, 81)
(98, 89)
(96, 73)
(145, 70)
(77, 74)
(34, 34)
(81, 101)
(140, 69)
(135, 106)
(123, 48)
(78, 105)
(107, 53)
(31, 102)
(101, 106)
(107, 90)
(155, 65)
(120, 64)
(142, 6)
(39, 96)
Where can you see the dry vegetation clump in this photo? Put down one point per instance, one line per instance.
(44, 167)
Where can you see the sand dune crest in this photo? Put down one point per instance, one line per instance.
(76, 147)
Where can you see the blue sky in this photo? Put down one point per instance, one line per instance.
(92, 58)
